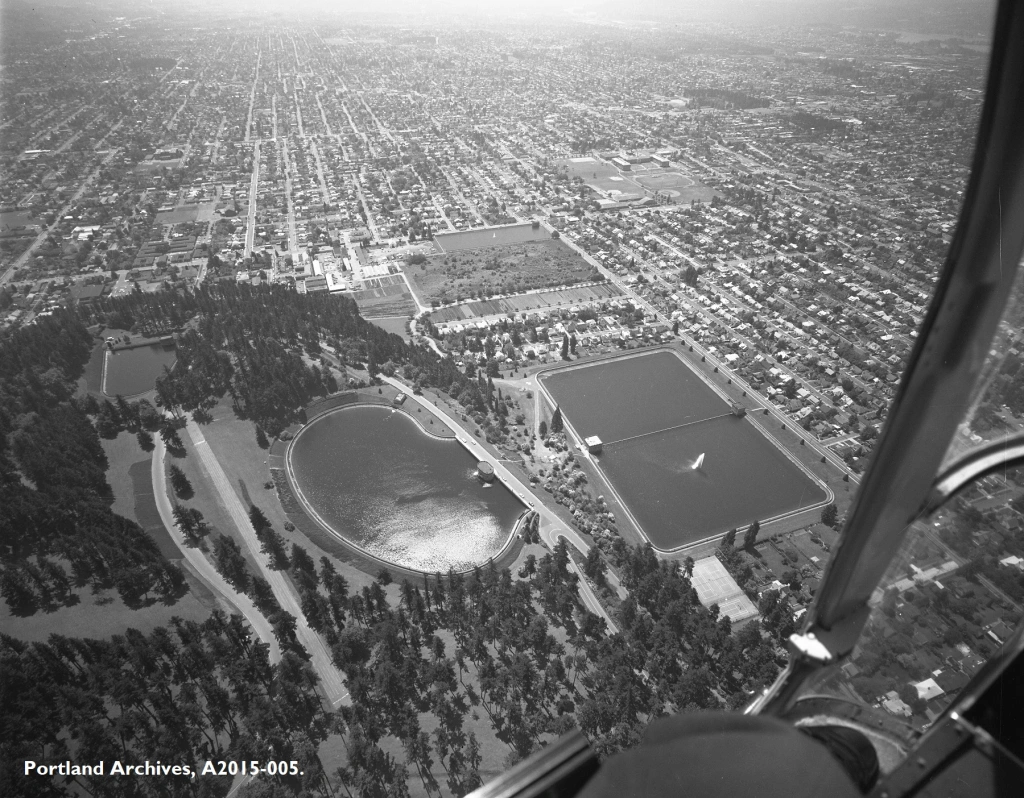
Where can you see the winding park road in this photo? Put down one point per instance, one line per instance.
(331, 680)
(202, 565)
(551, 526)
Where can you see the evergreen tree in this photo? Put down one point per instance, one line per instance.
(228, 559)
(594, 566)
(258, 519)
(829, 514)
(145, 440)
(556, 421)
(170, 437)
(261, 438)
(750, 536)
(182, 487)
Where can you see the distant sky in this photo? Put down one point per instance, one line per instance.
(940, 16)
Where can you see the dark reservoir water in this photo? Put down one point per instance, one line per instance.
(490, 237)
(744, 477)
(132, 371)
(378, 480)
(620, 398)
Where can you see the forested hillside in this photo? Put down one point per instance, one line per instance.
(57, 531)
(180, 696)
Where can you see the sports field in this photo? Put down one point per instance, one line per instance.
(656, 418)
(714, 585)
(643, 179)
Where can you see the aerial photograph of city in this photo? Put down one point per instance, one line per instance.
(417, 398)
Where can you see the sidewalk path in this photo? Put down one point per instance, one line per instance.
(202, 565)
(551, 526)
(330, 679)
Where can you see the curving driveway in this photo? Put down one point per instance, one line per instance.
(202, 565)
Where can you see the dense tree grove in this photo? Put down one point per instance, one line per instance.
(57, 530)
(525, 652)
(179, 695)
(250, 342)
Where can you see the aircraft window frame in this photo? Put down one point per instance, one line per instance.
(938, 384)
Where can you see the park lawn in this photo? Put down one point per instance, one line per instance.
(492, 751)
(102, 615)
(399, 325)
(205, 499)
(122, 453)
(778, 562)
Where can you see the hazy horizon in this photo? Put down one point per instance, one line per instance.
(942, 17)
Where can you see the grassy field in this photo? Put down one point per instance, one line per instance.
(798, 543)
(102, 615)
(182, 213)
(588, 169)
(399, 325)
(205, 498)
(122, 453)
(508, 269)
(520, 303)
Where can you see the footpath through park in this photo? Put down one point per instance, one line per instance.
(202, 565)
(331, 681)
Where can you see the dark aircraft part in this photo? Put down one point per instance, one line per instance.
(558, 771)
(939, 382)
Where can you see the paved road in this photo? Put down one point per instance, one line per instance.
(551, 526)
(331, 680)
(39, 239)
(250, 223)
(202, 565)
